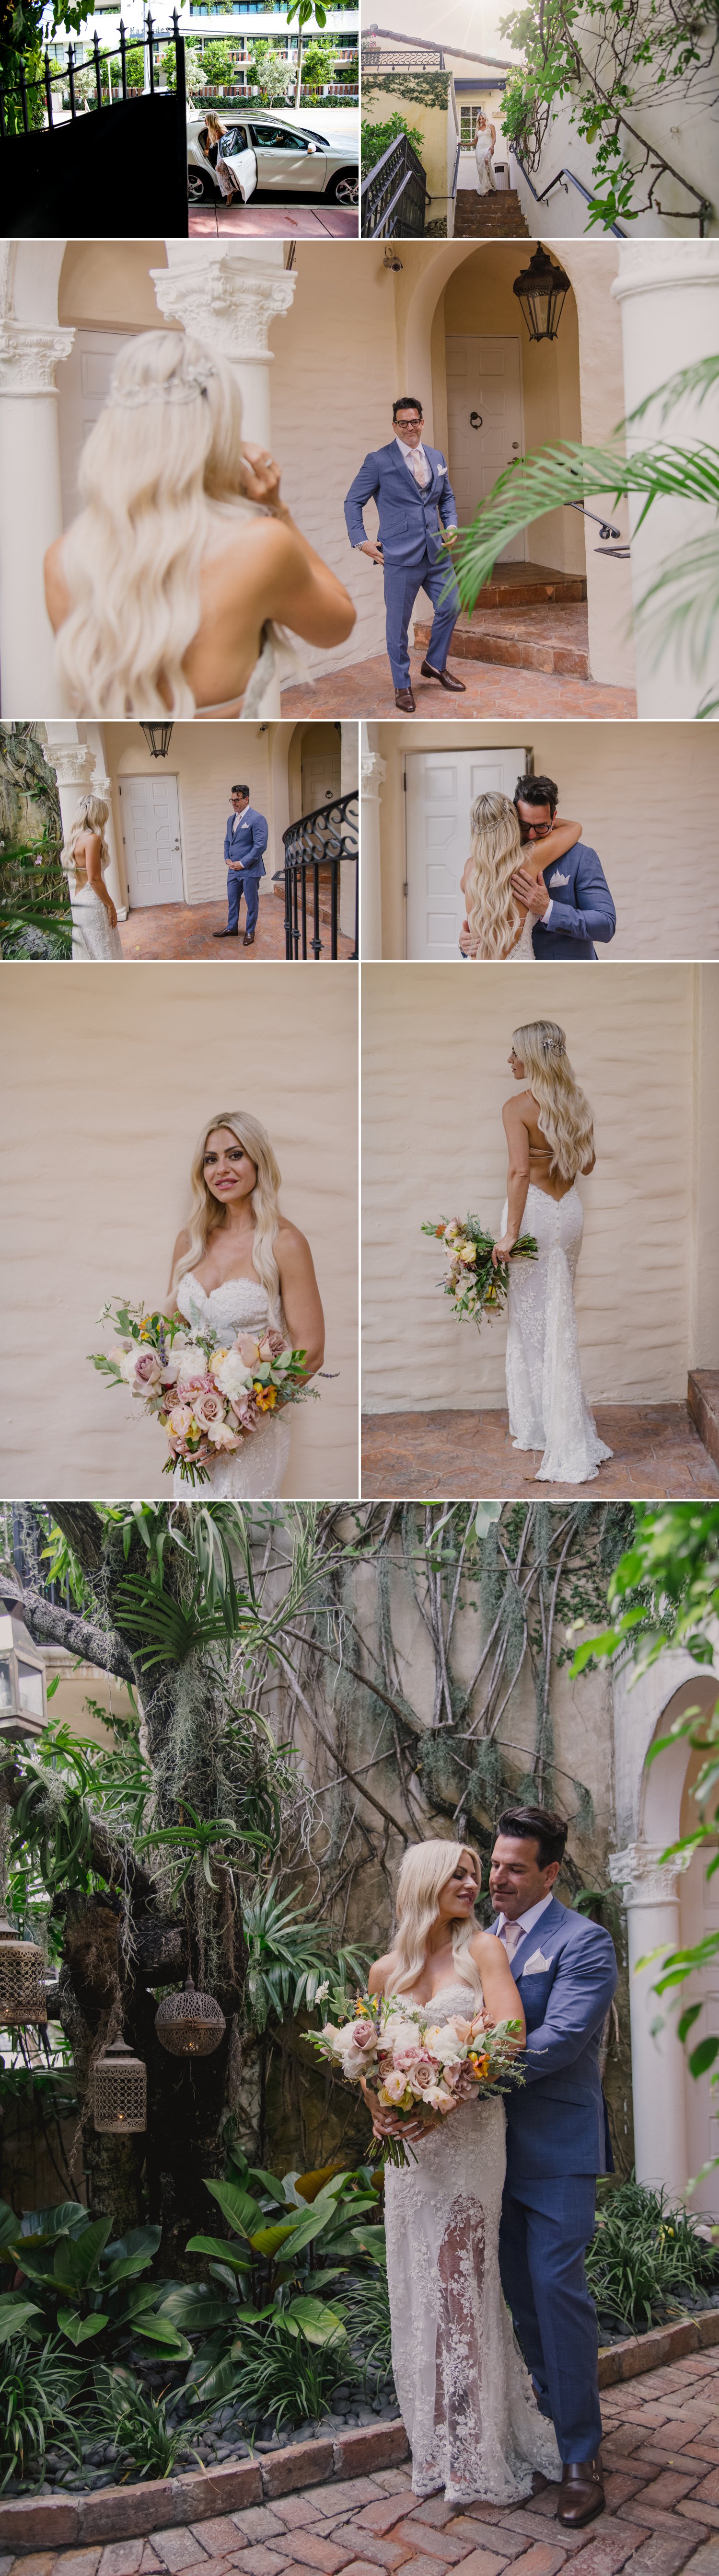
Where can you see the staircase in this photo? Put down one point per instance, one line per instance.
(496, 217)
(528, 617)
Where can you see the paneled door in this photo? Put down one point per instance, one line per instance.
(699, 1916)
(83, 388)
(151, 834)
(441, 787)
(485, 424)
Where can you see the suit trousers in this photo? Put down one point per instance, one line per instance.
(241, 882)
(401, 584)
(544, 2231)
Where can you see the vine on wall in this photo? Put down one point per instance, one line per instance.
(616, 59)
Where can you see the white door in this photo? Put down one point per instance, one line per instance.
(83, 387)
(321, 779)
(485, 424)
(441, 788)
(151, 834)
(699, 1901)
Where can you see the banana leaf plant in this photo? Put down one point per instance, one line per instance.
(267, 2267)
(82, 2286)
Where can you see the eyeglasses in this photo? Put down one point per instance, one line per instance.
(413, 423)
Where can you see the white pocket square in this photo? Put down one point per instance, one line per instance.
(535, 1966)
(557, 879)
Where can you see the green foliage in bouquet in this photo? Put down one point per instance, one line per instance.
(475, 1284)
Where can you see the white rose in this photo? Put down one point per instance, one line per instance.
(442, 2042)
(399, 2032)
(232, 1377)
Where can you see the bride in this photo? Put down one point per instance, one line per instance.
(85, 858)
(498, 923)
(241, 1267)
(485, 140)
(166, 593)
(464, 2393)
(549, 1131)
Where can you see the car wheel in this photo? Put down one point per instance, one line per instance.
(344, 190)
(199, 192)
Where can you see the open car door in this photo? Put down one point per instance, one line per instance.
(242, 166)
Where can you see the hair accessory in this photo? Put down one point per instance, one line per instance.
(555, 1045)
(176, 389)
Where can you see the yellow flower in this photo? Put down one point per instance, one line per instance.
(266, 1397)
(468, 1252)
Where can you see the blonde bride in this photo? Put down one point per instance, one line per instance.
(498, 924)
(85, 859)
(550, 1141)
(168, 592)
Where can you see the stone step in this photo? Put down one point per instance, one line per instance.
(531, 586)
(498, 215)
(553, 639)
(703, 1399)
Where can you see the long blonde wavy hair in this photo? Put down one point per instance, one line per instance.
(565, 1117)
(425, 1870)
(166, 445)
(495, 851)
(90, 816)
(206, 1216)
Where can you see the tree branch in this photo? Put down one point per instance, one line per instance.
(49, 1625)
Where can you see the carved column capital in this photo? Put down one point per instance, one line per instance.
(228, 304)
(29, 356)
(74, 765)
(373, 771)
(644, 1878)
(646, 266)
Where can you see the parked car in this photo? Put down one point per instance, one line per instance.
(264, 152)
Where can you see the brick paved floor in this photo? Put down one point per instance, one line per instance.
(186, 930)
(553, 637)
(292, 223)
(365, 689)
(661, 2461)
(658, 1455)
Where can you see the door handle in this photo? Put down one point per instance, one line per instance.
(515, 442)
(475, 420)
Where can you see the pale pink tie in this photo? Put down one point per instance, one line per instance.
(512, 1935)
(418, 467)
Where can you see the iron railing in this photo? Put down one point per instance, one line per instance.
(66, 79)
(316, 849)
(562, 179)
(394, 196)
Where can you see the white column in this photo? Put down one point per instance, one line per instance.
(669, 298)
(79, 767)
(659, 2075)
(102, 786)
(372, 775)
(30, 509)
(228, 301)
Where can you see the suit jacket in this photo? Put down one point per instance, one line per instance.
(582, 908)
(250, 839)
(410, 521)
(566, 1971)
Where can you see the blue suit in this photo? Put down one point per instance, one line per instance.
(410, 525)
(557, 2143)
(247, 845)
(582, 908)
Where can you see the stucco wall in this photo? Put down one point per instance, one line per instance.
(430, 116)
(645, 796)
(111, 1074)
(435, 1075)
(682, 125)
(479, 298)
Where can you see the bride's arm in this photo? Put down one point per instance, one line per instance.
(502, 1999)
(300, 1296)
(517, 1135)
(95, 876)
(561, 839)
(299, 590)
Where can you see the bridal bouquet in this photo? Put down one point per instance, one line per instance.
(416, 2063)
(475, 1286)
(207, 1395)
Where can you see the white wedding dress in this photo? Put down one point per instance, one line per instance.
(522, 953)
(256, 1469)
(465, 2395)
(483, 161)
(94, 942)
(547, 1409)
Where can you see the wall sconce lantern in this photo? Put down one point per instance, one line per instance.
(23, 1694)
(541, 289)
(158, 738)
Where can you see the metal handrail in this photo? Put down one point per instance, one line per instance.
(400, 161)
(327, 839)
(48, 80)
(563, 177)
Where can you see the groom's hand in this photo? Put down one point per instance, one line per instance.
(530, 892)
(374, 552)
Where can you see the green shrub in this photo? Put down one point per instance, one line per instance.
(38, 2393)
(364, 2304)
(646, 2257)
(376, 140)
(139, 2427)
(279, 2374)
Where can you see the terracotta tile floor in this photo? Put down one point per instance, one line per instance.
(365, 689)
(185, 930)
(551, 637)
(291, 223)
(657, 1455)
(661, 2463)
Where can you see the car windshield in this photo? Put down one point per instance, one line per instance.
(279, 137)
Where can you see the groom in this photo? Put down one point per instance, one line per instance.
(557, 2141)
(246, 837)
(415, 502)
(571, 902)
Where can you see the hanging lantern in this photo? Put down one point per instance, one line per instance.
(22, 1980)
(541, 289)
(158, 738)
(189, 2024)
(119, 2090)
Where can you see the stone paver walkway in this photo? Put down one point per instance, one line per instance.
(186, 930)
(365, 689)
(661, 2461)
(290, 223)
(657, 1455)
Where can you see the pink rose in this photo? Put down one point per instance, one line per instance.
(248, 1347)
(147, 1368)
(406, 2057)
(178, 1421)
(271, 1345)
(209, 1408)
(424, 2071)
(363, 2034)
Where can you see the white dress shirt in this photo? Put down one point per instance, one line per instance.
(522, 1922)
(410, 454)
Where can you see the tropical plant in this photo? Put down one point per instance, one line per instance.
(288, 2241)
(39, 2398)
(283, 2374)
(139, 2425)
(681, 603)
(303, 11)
(35, 917)
(81, 2284)
(288, 1956)
(646, 2258)
(375, 140)
(364, 2304)
(217, 64)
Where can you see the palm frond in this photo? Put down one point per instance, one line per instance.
(560, 476)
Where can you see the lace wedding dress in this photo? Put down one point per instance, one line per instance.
(257, 1468)
(483, 162)
(94, 942)
(464, 2392)
(547, 1409)
(523, 952)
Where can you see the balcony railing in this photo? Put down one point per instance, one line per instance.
(316, 849)
(394, 196)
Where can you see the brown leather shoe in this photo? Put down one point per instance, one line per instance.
(225, 934)
(581, 2494)
(446, 681)
(249, 939)
(404, 700)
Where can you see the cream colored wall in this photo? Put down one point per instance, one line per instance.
(110, 1074)
(435, 1075)
(333, 382)
(105, 284)
(704, 1277)
(683, 126)
(205, 759)
(645, 796)
(479, 299)
(431, 122)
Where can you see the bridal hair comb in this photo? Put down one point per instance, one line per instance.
(176, 389)
(556, 1044)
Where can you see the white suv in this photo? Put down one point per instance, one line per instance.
(261, 151)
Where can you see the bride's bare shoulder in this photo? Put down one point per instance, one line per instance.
(379, 1973)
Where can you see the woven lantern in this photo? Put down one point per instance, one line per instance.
(23, 1999)
(119, 2090)
(189, 2024)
